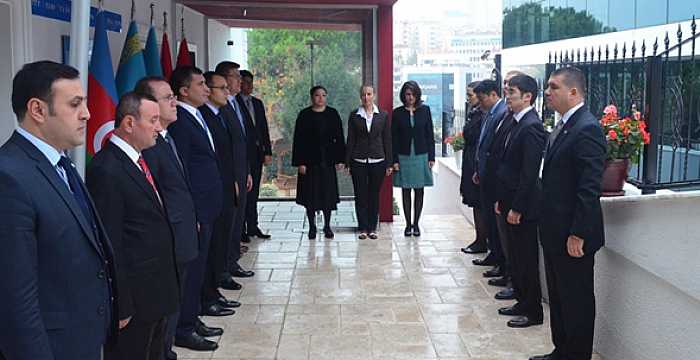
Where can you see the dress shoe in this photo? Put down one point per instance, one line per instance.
(551, 356)
(523, 322)
(373, 236)
(170, 355)
(312, 233)
(416, 230)
(471, 249)
(245, 239)
(230, 284)
(244, 249)
(495, 272)
(487, 261)
(217, 310)
(196, 342)
(328, 233)
(501, 281)
(206, 331)
(259, 234)
(407, 231)
(505, 294)
(242, 273)
(362, 236)
(510, 311)
(231, 304)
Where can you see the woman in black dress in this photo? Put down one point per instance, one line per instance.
(318, 151)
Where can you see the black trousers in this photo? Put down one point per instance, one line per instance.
(251, 212)
(139, 341)
(571, 304)
(523, 260)
(171, 323)
(191, 302)
(367, 181)
(494, 241)
(218, 250)
(234, 249)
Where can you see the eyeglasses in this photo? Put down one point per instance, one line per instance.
(224, 87)
(170, 97)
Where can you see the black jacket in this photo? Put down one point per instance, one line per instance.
(517, 174)
(138, 227)
(470, 132)
(571, 178)
(258, 133)
(318, 137)
(421, 134)
(363, 144)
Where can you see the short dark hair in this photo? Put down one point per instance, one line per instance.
(209, 77)
(248, 74)
(573, 77)
(225, 67)
(472, 85)
(526, 84)
(143, 86)
(129, 104)
(317, 87)
(182, 77)
(415, 89)
(35, 80)
(486, 87)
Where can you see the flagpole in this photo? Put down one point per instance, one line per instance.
(152, 6)
(78, 58)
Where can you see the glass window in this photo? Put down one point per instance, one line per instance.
(651, 12)
(680, 10)
(621, 14)
(599, 10)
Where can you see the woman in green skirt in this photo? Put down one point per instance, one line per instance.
(414, 152)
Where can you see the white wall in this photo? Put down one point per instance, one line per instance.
(219, 35)
(195, 33)
(14, 39)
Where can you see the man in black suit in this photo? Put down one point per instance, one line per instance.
(235, 116)
(260, 149)
(197, 153)
(131, 206)
(169, 172)
(518, 188)
(56, 263)
(573, 232)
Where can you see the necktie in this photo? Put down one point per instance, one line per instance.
(206, 130)
(238, 114)
(251, 109)
(147, 172)
(555, 133)
(78, 193)
(171, 142)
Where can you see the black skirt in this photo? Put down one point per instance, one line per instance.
(318, 188)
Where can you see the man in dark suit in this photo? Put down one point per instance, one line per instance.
(217, 265)
(260, 148)
(517, 185)
(573, 232)
(197, 153)
(495, 109)
(56, 261)
(131, 207)
(235, 116)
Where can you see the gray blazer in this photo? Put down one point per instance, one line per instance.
(363, 144)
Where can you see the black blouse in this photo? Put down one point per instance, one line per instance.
(318, 138)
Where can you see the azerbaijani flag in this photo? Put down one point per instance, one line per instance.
(183, 54)
(150, 54)
(102, 92)
(131, 65)
(166, 61)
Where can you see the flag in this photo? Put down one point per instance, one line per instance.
(102, 92)
(131, 66)
(183, 54)
(150, 54)
(166, 61)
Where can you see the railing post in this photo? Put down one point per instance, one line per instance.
(653, 114)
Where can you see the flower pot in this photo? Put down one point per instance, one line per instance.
(458, 158)
(614, 176)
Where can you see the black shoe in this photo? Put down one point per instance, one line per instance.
(230, 284)
(472, 249)
(501, 282)
(416, 230)
(362, 236)
(170, 355)
(206, 331)
(505, 294)
(328, 233)
(312, 233)
(487, 261)
(511, 311)
(373, 236)
(245, 239)
(408, 231)
(523, 322)
(196, 343)
(240, 273)
(259, 234)
(551, 356)
(495, 272)
(217, 310)
(231, 304)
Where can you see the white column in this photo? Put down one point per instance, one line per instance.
(79, 43)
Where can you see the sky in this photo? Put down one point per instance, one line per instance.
(470, 10)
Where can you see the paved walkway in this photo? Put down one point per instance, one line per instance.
(392, 298)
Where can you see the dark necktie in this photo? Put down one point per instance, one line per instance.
(555, 133)
(149, 177)
(79, 195)
(171, 142)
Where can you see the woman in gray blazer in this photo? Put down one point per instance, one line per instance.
(369, 159)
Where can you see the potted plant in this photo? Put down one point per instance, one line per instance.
(457, 143)
(625, 137)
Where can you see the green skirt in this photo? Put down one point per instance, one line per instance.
(414, 172)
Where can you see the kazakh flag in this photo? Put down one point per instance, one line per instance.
(150, 54)
(131, 65)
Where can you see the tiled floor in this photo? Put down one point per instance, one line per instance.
(392, 298)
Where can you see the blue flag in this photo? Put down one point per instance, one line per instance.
(151, 56)
(131, 65)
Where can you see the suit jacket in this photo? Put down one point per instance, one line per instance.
(318, 142)
(492, 159)
(571, 178)
(470, 132)
(56, 269)
(517, 174)
(488, 131)
(258, 133)
(239, 144)
(421, 134)
(140, 232)
(177, 198)
(224, 147)
(363, 144)
(202, 165)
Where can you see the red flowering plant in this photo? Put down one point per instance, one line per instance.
(625, 135)
(456, 141)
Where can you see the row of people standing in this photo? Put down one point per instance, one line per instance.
(375, 149)
(525, 186)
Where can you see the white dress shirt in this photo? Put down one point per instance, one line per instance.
(200, 119)
(368, 122)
